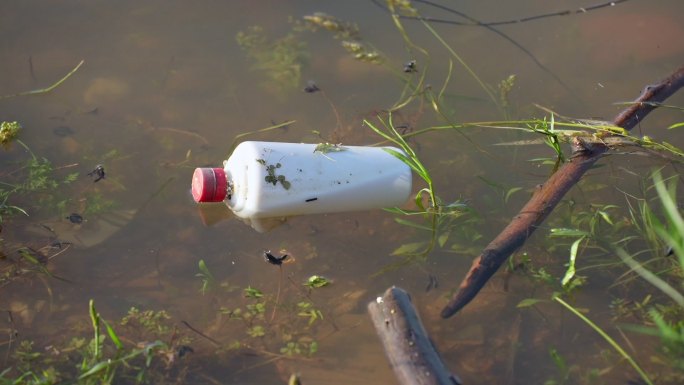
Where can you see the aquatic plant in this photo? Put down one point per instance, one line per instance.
(9, 131)
(289, 330)
(208, 280)
(291, 333)
(347, 33)
(441, 219)
(602, 240)
(280, 59)
(107, 357)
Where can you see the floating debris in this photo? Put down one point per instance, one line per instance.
(273, 260)
(75, 218)
(98, 173)
(410, 67)
(311, 87)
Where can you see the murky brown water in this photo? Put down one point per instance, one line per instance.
(165, 87)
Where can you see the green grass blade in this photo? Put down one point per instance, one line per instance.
(412, 224)
(666, 195)
(100, 366)
(570, 272)
(409, 162)
(608, 339)
(95, 318)
(465, 65)
(112, 334)
(650, 277)
(50, 88)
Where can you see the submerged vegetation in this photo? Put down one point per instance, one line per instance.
(281, 59)
(600, 241)
(271, 324)
(35, 178)
(611, 244)
(107, 357)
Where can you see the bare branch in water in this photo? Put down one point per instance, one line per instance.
(546, 196)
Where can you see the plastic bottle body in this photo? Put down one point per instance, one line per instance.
(268, 179)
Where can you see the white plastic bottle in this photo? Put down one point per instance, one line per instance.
(268, 179)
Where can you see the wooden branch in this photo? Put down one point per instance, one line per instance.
(412, 355)
(547, 195)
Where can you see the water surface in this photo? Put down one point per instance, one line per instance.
(166, 88)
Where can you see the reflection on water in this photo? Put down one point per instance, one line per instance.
(84, 233)
(212, 214)
(166, 87)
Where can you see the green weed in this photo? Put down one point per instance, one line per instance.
(35, 181)
(205, 275)
(8, 132)
(442, 219)
(656, 223)
(105, 358)
(291, 333)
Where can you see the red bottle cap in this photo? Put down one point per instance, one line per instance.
(209, 185)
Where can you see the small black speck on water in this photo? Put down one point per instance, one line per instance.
(75, 218)
(98, 173)
(410, 67)
(273, 260)
(311, 87)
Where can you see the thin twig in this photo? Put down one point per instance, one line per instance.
(472, 22)
(506, 37)
(213, 341)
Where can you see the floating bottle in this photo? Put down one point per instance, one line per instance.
(271, 179)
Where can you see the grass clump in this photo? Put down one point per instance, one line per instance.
(106, 357)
